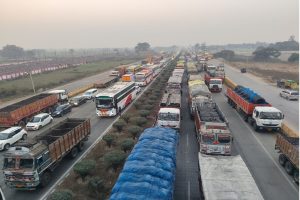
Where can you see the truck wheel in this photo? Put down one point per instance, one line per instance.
(255, 126)
(6, 147)
(289, 167)
(46, 178)
(282, 159)
(80, 146)
(74, 152)
(296, 176)
(22, 123)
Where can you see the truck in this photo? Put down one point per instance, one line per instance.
(169, 117)
(174, 85)
(140, 178)
(171, 100)
(212, 129)
(105, 81)
(20, 113)
(128, 78)
(62, 95)
(143, 77)
(288, 147)
(197, 92)
(254, 109)
(191, 68)
(28, 166)
(226, 177)
(119, 71)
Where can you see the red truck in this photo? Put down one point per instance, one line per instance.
(19, 113)
(259, 113)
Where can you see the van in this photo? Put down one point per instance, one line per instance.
(90, 94)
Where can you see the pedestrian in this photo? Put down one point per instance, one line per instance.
(120, 111)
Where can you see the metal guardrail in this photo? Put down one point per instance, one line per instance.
(284, 127)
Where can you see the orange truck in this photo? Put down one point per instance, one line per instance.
(128, 77)
(288, 148)
(19, 113)
(26, 168)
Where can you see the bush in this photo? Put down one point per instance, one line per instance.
(144, 113)
(61, 195)
(109, 139)
(140, 121)
(114, 159)
(137, 104)
(148, 107)
(83, 168)
(119, 125)
(127, 145)
(134, 130)
(96, 186)
(126, 117)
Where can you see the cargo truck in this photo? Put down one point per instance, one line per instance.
(174, 85)
(105, 81)
(288, 147)
(26, 168)
(171, 100)
(226, 178)
(212, 130)
(254, 109)
(150, 169)
(20, 113)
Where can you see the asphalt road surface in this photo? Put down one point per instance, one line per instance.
(270, 92)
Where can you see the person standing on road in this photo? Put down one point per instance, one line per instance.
(120, 110)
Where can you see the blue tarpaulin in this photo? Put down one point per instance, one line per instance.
(149, 171)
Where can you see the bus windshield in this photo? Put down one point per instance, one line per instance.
(104, 103)
(168, 116)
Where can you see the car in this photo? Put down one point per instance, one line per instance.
(90, 94)
(39, 121)
(61, 110)
(138, 89)
(289, 94)
(243, 70)
(11, 135)
(77, 101)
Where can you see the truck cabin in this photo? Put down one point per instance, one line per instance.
(266, 112)
(114, 73)
(62, 95)
(168, 116)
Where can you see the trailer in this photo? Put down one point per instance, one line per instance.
(25, 168)
(149, 171)
(212, 129)
(20, 113)
(171, 100)
(174, 85)
(106, 81)
(226, 178)
(288, 147)
(254, 108)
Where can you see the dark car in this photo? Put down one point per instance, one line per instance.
(243, 70)
(61, 110)
(77, 101)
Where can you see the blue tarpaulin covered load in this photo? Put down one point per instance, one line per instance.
(149, 171)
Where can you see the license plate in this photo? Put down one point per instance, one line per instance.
(269, 129)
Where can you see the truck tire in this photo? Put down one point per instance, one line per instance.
(289, 168)
(256, 128)
(74, 152)
(24, 137)
(282, 159)
(21, 123)
(46, 178)
(296, 176)
(81, 146)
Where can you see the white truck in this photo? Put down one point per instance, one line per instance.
(226, 177)
(62, 95)
(169, 117)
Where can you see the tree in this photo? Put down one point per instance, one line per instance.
(119, 125)
(226, 54)
(12, 52)
(140, 121)
(294, 57)
(109, 139)
(142, 47)
(265, 53)
(134, 130)
(126, 117)
(61, 195)
(127, 145)
(83, 168)
(96, 186)
(114, 159)
(144, 113)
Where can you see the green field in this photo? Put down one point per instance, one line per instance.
(21, 87)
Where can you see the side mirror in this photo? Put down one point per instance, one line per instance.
(256, 114)
(282, 116)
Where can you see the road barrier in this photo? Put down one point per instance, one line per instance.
(284, 127)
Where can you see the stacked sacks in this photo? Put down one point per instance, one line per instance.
(149, 172)
(249, 95)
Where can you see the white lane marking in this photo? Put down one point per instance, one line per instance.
(266, 151)
(187, 139)
(189, 190)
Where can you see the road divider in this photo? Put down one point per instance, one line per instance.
(284, 127)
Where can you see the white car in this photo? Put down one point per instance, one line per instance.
(39, 121)
(289, 94)
(10, 136)
(90, 94)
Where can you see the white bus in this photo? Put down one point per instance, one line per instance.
(143, 77)
(115, 98)
(155, 69)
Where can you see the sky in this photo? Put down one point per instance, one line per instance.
(123, 23)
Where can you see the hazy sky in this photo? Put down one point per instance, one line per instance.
(124, 23)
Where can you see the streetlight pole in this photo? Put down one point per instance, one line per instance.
(31, 81)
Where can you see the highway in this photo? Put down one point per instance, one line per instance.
(270, 92)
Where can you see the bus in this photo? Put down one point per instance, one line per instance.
(133, 69)
(114, 99)
(155, 69)
(143, 77)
